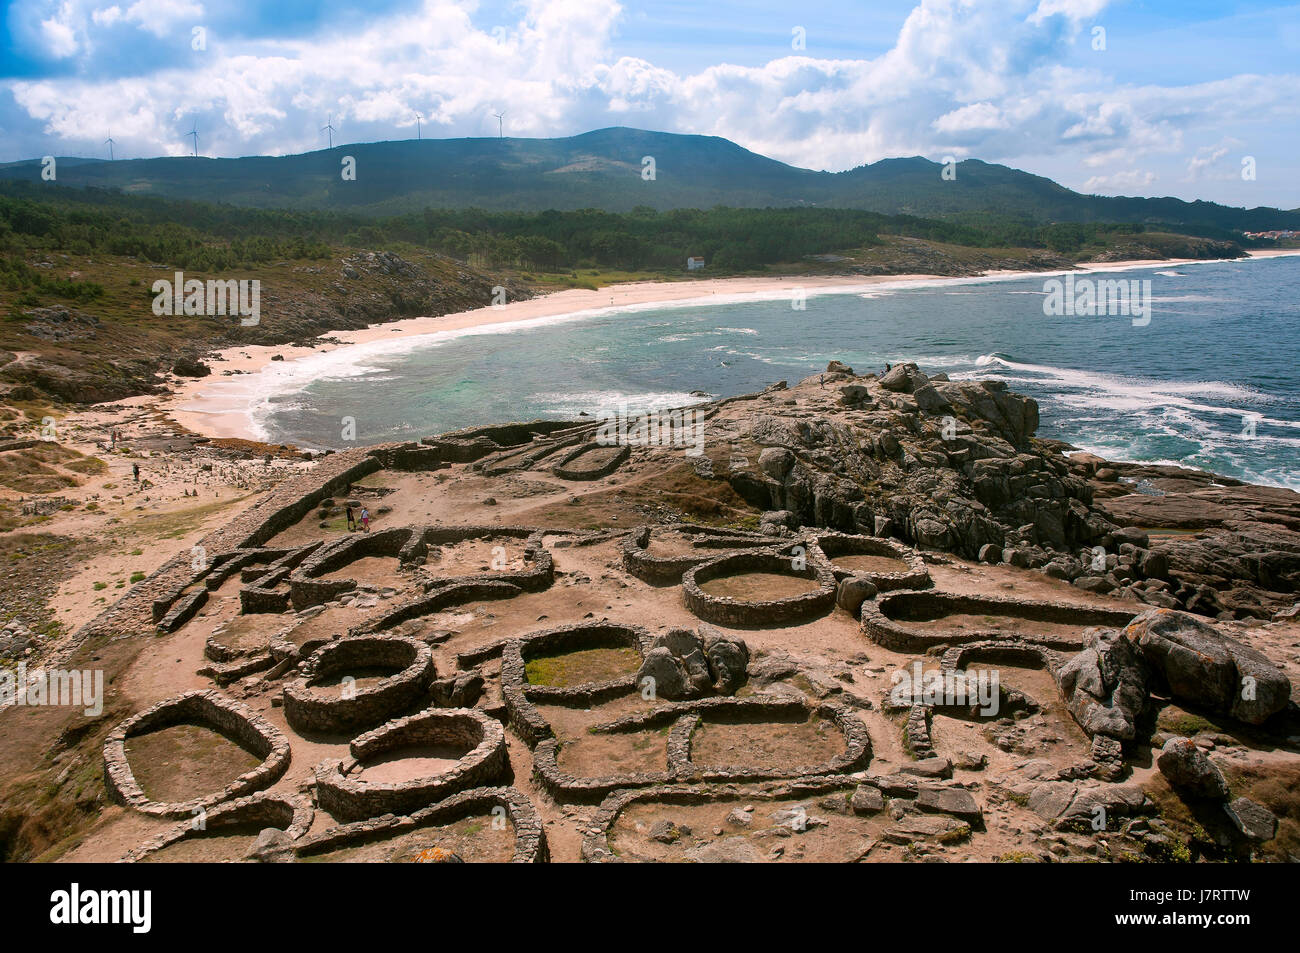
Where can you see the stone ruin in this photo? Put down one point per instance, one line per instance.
(440, 723)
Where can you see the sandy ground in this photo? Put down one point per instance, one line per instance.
(184, 492)
(220, 406)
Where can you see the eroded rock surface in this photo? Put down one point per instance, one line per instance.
(1203, 666)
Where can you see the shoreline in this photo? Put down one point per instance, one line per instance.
(222, 406)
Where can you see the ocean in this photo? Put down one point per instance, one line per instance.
(1210, 382)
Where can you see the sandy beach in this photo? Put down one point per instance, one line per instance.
(221, 405)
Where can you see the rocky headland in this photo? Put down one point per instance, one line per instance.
(955, 466)
(768, 638)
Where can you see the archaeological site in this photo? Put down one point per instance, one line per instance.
(875, 620)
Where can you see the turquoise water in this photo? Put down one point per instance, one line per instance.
(1219, 352)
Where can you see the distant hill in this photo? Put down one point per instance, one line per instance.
(603, 169)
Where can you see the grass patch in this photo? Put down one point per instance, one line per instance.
(90, 466)
(1179, 722)
(579, 668)
(1276, 787)
(955, 836)
(46, 468)
(181, 523)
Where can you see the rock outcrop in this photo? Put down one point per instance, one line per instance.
(1105, 685)
(1189, 771)
(1201, 665)
(686, 664)
(945, 465)
(1242, 556)
(728, 659)
(1253, 821)
(190, 367)
(956, 466)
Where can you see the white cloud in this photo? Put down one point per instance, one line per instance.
(1129, 180)
(973, 118)
(964, 77)
(1208, 157)
(1074, 10)
(59, 33)
(159, 17)
(107, 16)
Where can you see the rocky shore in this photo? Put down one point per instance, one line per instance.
(955, 466)
(68, 354)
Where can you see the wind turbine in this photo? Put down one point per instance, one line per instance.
(330, 127)
(109, 140)
(195, 133)
(500, 125)
(418, 117)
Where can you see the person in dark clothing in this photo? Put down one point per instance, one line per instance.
(135, 472)
(352, 519)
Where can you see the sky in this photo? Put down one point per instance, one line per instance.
(1189, 98)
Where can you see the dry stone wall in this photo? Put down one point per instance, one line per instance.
(484, 762)
(530, 836)
(293, 815)
(210, 709)
(886, 620)
(310, 710)
(726, 610)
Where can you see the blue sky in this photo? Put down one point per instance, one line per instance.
(1181, 94)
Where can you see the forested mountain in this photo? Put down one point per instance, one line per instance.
(605, 170)
(41, 219)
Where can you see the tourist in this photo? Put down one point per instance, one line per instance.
(135, 472)
(352, 519)
(365, 520)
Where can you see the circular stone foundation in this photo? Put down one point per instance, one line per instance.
(886, 563)
(519, 694)
(248, 815)
(675, 800)
(208, 709)
(310, 584)
(748, 612)
(502, 804)
(1019, 654)
(912, 621)
(309, 709)
(477, 743)
(533, 573)
(667, 568)
(681, 720)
